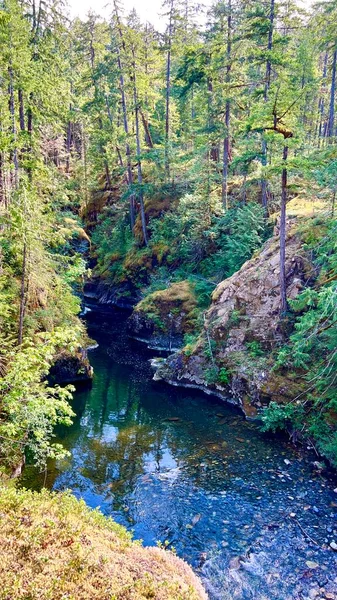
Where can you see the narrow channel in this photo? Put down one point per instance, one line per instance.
(252, 515)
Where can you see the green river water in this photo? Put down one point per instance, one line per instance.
(252, 515)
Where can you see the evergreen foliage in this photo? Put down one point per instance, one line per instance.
(312, 350)
(168, 157)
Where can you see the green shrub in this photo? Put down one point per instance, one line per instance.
(237, 235)
(254, 348)
(224, 376)
(211, 375)
(312, 351)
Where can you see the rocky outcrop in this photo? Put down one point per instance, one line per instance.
(71, 368)
(163, 317)
(103, 293)
(233, 357)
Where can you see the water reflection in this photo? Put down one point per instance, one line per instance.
(178, 467)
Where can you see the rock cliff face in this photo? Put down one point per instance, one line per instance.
(70, 368)
(105, 294)
(233, 356)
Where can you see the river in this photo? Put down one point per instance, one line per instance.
(252, 515)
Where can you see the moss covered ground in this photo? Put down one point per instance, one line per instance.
(54, 547)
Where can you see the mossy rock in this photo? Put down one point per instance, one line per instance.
(174, 307)
(55, 547)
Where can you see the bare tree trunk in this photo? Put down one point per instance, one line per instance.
(320, 132)
(107, 173)
(283, 282)
(100, 124)
(91, 47)
(108, 110)
(144, 117)
(139, 164)
(227, 111)
(85, 164)
(168, 92)
(270, 47)
(214, 149)
(331, 118)
(30, 119)
(264, 190)
(22, 294)
(148, 137)
(125, 120)
(21, 110)
(13, 126)
(69, 138)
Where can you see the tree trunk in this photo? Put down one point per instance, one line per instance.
(21, 110)
(13, 126)
(125, 121)
(320, 132)
(269, 47)
(85, 164)
(226, 158)
(139, 164)
(264, 188)
(283, 282)
(22, 294)
(107, 174)
(69, 138)
(168, 91)
(148, 137)
(30, 118)
(30, 130)
(108, 110)
(331, 118)
(214, 150)
(227, 111)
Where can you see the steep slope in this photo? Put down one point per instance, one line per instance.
(233, 356)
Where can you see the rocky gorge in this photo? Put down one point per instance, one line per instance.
(231, 347)
(233, 357)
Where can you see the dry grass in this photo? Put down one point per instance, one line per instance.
(305, 207)
(53, 547)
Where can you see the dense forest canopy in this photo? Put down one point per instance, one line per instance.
(170, 154)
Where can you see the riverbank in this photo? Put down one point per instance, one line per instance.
(243, 349)
(245, 509)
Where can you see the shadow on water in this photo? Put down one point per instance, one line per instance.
(180, 468)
